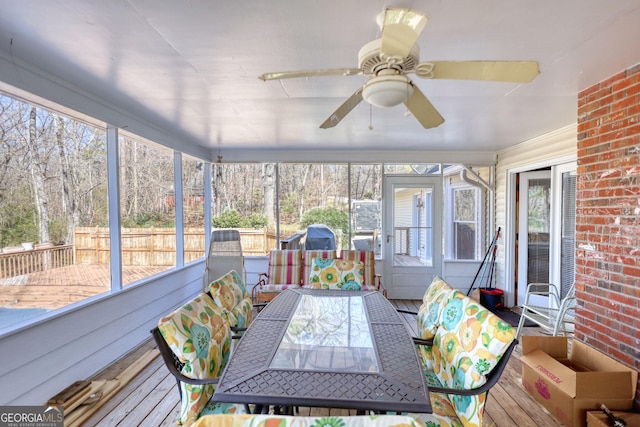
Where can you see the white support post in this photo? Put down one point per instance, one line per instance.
(113, 186)
(179, 207)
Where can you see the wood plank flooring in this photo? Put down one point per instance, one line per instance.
(62, 286)
(151, 398)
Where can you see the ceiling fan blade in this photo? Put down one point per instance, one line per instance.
(400, 31)
(423, 110)
(343, 110)
(499, 71)
(310, 73)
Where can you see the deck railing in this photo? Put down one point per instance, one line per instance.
(30, 261)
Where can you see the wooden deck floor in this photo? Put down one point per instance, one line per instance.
(151, 398)
(62, 286)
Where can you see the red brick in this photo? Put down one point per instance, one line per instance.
(634, 89)
(625, 103)
(585, 93)
(611, 80)
(620, 356)
(623, 83)
(633, 130)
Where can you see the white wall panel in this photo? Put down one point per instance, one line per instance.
(553, 148)
(44, 358)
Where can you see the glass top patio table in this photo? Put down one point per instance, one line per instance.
(327, 348)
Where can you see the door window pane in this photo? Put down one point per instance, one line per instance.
(538, 226)
(412, 227)
(567, 250)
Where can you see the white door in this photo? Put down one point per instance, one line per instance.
(412, 234)
(534, 232)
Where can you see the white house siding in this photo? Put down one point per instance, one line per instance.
(42, 359)
(553, 148)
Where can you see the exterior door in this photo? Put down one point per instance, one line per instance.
(534, 227)
(412, 234)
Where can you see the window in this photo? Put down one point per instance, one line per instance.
(366, 207)
(193, 208)
(147, 208)
(312, 193)
(465, 223)
(53, 202)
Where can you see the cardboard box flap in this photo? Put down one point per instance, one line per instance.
(614, 385)
(551, 370)
(612, 377)
(555, 347)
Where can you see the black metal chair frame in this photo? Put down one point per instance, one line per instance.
(492, 377)
(175, 365)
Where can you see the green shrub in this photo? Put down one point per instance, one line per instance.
(232, 219)
(331, 217)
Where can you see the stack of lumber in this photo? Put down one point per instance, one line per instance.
(83, 398)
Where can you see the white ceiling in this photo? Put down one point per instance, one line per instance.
(192, 67)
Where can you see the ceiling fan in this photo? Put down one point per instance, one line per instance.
(387, 60)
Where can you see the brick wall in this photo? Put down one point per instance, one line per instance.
(608, 217)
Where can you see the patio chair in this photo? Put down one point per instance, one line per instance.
(371, 280)
(230, 293)
(225, 254)
(556, 318)
(429, 316)
(195, 341)
(471, 348)
(284, 271)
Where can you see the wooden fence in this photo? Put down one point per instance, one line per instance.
(30, 261)
(140, 247)
(157, 246)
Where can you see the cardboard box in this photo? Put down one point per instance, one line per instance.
(570, 384)
(599, 419)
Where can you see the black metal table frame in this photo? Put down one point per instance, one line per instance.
(399, 384)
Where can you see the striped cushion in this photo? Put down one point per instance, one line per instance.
(368, 260)
(285, 267)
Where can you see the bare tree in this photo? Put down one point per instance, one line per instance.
(268, 180)
(38, 168)
(69, 180)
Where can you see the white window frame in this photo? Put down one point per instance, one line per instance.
(449, 241)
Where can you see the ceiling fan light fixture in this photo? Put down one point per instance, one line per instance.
(387, 90)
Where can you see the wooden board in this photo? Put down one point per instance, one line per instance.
(68, 393)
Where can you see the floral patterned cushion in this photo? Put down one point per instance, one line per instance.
(309, 255)
(230, 293)
(199, 335)
(428, 319)
(443, 415)
(298, 421)
(466, 347)
(368, 260)
(329, 273)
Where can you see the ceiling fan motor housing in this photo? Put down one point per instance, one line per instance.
(371, 62)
